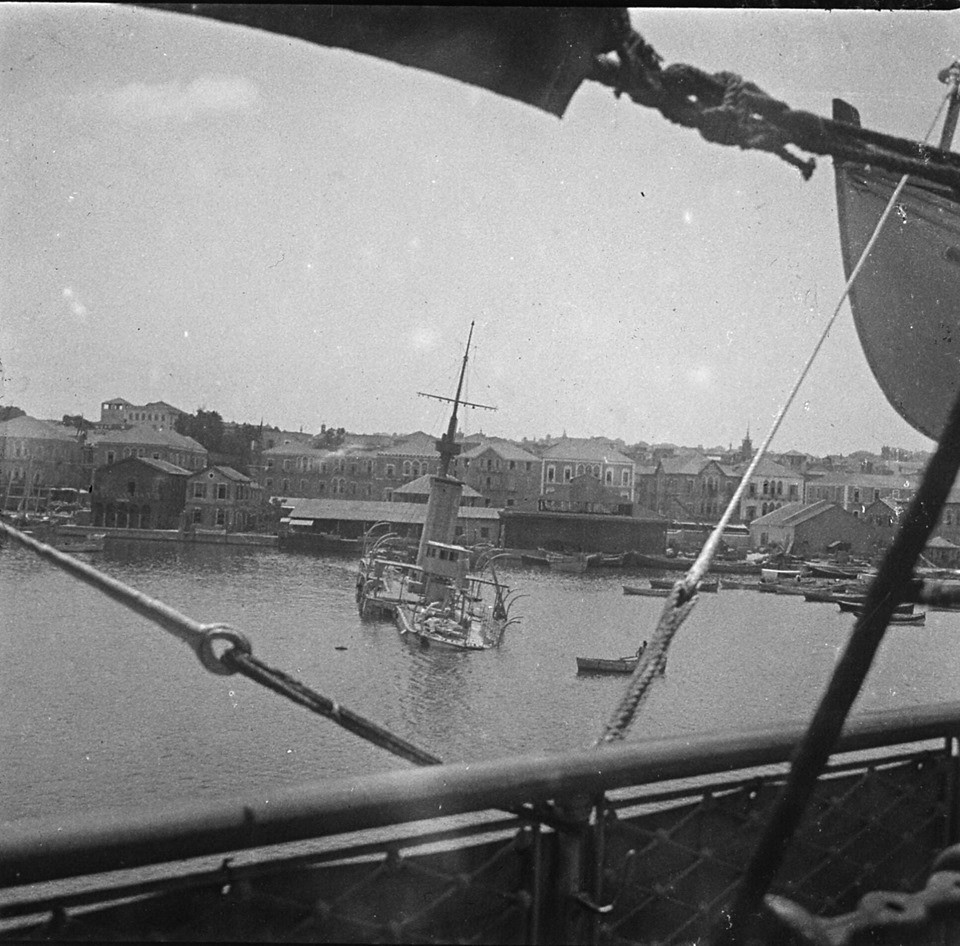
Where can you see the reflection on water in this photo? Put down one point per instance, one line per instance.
(98, 707)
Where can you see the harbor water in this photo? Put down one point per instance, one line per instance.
(99, 708)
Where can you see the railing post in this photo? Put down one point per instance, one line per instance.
(952, 747)
(572, 849)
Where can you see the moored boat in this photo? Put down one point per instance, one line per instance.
(665, 583)
(645, 592)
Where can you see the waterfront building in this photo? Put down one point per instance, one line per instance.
(221, 498)
(104, 447)
(808, 529)
(690, 488)
(418, 491)
(138, 493)
(35, 456)
(855, 491)
(572, 457)
(118, 412)
(350, 519)
(770, 487)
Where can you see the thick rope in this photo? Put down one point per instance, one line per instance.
(679, 605)
(729, 111)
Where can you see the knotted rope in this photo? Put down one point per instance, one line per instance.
(727, 110)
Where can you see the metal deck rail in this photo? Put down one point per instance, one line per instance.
(640, 843)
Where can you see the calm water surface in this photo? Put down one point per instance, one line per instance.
(99, 708)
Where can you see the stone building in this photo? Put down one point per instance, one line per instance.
(35, 456)
(221, 498)
(503, 473)
(103, 447)
(572, 457)
(138, 493)
(118, 412)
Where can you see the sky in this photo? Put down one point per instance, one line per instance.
(222, 218)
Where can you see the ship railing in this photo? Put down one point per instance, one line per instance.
(635, 842)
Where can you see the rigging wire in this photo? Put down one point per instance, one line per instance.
(679, 604)
(207, 642)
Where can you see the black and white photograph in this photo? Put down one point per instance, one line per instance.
(479, 474)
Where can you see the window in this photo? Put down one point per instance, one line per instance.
(268, 482)
(198, 514)
(286, 466)
(221, 517)
(551, 474)
(199, 490)
(567, 474)
(131, 486)
(608, 479)
(391, 471)
(484, 532)
(513, 464)
(270, 463)
(156, 456)
(625, 478)
(221, 490)
(111, 456)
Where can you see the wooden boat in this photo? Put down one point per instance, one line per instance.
(779, 574)
(706, 585)
(918, 617)
(683, 562)
(610, 664)
(571, 564)
(855, 606)
(647, 592)
(600, 560)
(831, 570)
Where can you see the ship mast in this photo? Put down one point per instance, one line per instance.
(447, 445)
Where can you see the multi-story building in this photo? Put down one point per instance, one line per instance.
(295, 469)
(691, 488)
(118, 412)
(770, 487)
(36, 455)
(572, 457)
(503, 473)
(103, 447)
(856, 491)
(221, 498)
(139, 493)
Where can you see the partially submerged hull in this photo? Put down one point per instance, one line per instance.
(440, 627)
(906, 299)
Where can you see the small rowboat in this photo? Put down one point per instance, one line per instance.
(607, 664)
(610, 664)
(705, 585)
(855, 606)
(918, 617)
(648, 592)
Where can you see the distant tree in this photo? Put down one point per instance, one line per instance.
(9, 413)
(206, 427)
(76, 420)
(329, 438)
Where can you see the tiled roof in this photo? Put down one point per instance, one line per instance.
(146, 436)
(161, 465)
(417, 444)
(34, 429)
(359, 510)
(226, 471)
(503, 448)
(421, 487)
(685, 466)
(794, 513)
(768, 467)
(594, 451)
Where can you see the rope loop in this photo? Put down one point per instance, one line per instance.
(215, 662)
